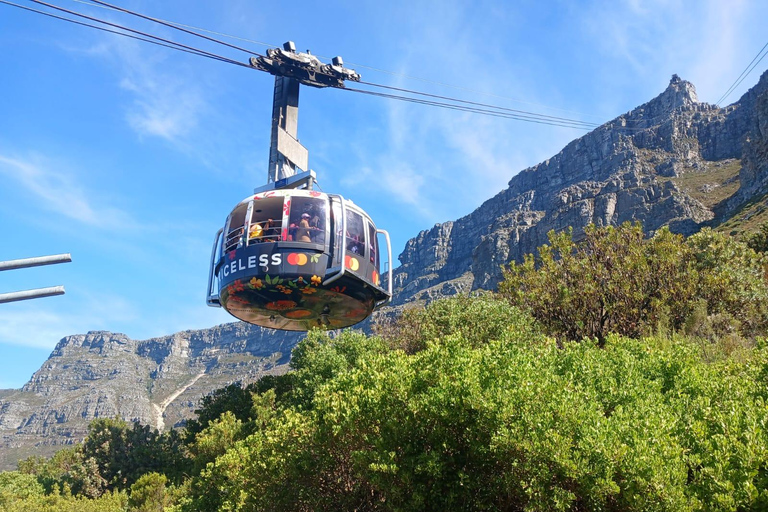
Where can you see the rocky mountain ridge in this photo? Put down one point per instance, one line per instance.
(670, 162)
(158, 382)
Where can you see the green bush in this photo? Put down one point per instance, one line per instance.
(480, 319)
(16, 486)
(149, 494)
(615, 281)
(58, 501)
(733, 281)
(758, 241)
(513, 423)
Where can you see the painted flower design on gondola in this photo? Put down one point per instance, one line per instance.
(356, 313)
(255, 284)
(264, 195)
(280, 305)
(283, 289)
(308, 290)
(287, 207)
(316, 280)
(238, 285)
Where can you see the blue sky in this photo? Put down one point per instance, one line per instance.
(129, 156)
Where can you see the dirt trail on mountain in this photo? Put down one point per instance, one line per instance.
(160, 409)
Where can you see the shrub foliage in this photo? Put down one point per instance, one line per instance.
(615, 281)
(602, 377)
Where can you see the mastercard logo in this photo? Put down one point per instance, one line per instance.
(297, 258)
(352, 263)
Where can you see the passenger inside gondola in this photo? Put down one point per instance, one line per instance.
(355, 233)
(307, 220)
(302, 233)
(372, 245)
(235, 232)
(266, 220)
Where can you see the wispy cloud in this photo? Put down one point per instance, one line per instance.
(55, 190)
(162, 107)
(43, 322)
(34, 327)
(165, 104)
(437, 162)
(705, 42)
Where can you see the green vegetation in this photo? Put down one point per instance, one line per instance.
(615, 281)
(713, 183)
(747, 220)
(616, 374)
(758, 241)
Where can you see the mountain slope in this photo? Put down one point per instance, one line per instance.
(670, 162)
(157, 382)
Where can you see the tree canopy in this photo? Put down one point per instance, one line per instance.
(616, 373)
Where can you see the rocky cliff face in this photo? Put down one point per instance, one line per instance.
(670, 162)
(157, 382)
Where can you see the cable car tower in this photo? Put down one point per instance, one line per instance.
(290, 257)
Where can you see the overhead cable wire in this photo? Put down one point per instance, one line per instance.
(466, 89)
(171, 25)
(191, 27)
(105, 5)
(144, 34)
(543, 116)
(492, 113)
(743, 74)
(173, 47)
(501, 112)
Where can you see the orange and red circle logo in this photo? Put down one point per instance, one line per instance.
(352, 263)
(297, 258)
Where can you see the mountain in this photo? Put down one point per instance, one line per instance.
(157, 382)
(671, 162)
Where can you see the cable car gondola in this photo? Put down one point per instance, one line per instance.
(290, 257)
(298, 259)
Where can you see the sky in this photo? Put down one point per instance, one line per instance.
(129, 156)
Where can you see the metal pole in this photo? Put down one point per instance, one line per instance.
(31, 294)
(35, 262)
(285, 115)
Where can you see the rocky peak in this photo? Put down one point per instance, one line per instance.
(95, 341)
(655, 164)
(158, 381)
(678, 94)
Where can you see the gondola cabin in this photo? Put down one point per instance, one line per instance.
(298, 259)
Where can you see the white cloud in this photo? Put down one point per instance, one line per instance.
(169, 111)
(43, 322)
(707, 42)
(405, 184)
(165, 104)
(57, 191)
(34, 326)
